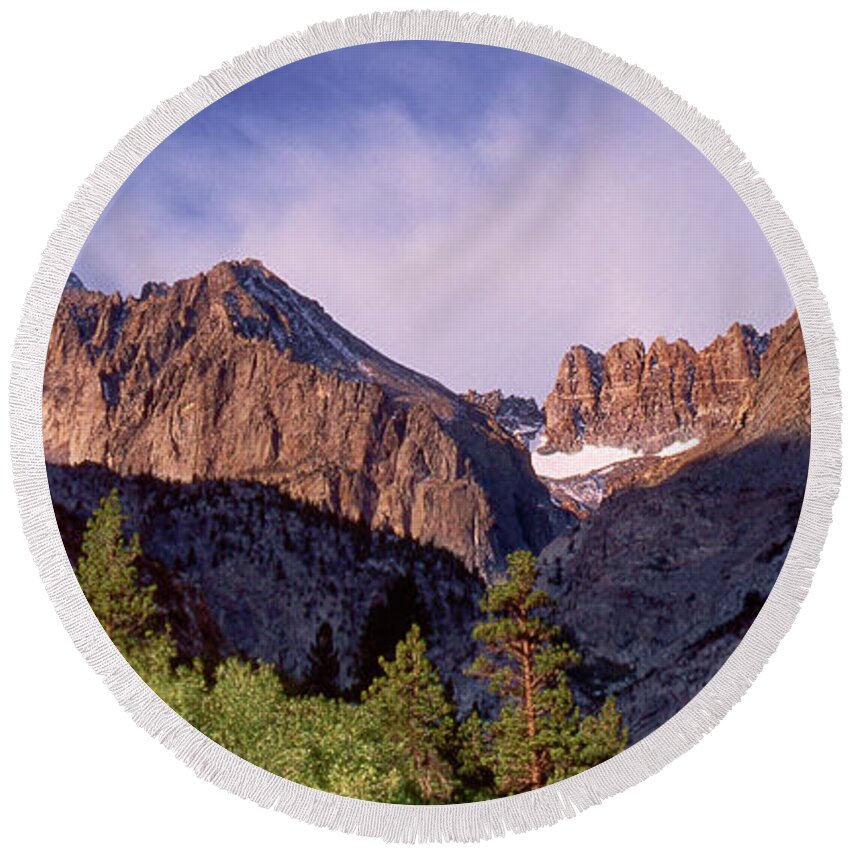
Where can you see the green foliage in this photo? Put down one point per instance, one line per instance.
(601, 736)
(402, 744)
(182, 686)
(107, 574)
(320, 742)
(538, 735)
(474, 774)
(416, 720)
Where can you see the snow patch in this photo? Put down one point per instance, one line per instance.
(678, 447)
(560, 465)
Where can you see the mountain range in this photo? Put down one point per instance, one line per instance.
(282, 473)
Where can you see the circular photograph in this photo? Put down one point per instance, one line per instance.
(426, 422)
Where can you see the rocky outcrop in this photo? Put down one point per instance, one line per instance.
(232, 375)
(646, 399)
(517, 415)
(780, 400)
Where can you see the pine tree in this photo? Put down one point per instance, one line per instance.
(601, 737)
(108, 576)
(323, 675)
(538, 735)
(415, 721)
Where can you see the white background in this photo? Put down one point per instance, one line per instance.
(75, 769)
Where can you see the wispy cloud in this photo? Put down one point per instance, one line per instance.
(470, 211)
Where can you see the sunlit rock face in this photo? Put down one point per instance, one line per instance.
(647, 398)
(232, 375)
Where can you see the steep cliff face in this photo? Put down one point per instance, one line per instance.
(645, 399)
(234, 375)
(774, 400)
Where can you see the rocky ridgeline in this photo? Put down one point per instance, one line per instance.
(646, 399)
(233, 375)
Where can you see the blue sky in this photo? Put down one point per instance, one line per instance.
(470, 211)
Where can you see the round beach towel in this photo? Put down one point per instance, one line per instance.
(423, 425)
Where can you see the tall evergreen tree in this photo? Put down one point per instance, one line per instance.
(108, 576)
(415, 721)
(538, 735)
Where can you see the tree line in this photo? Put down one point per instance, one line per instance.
(403, 742)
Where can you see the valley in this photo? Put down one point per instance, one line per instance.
(285, 476)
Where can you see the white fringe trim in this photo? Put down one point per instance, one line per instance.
(473, 821)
